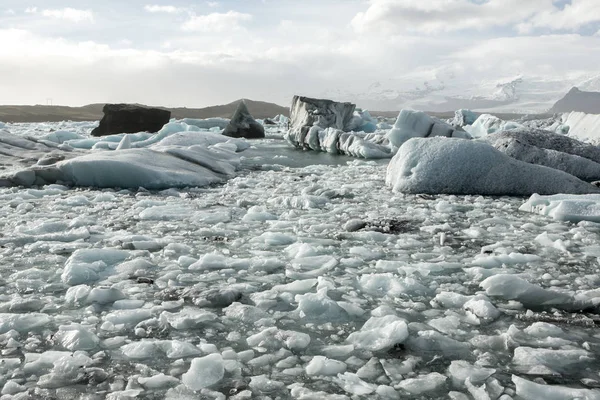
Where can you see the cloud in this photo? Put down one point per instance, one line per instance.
(31, 10)
(436, 16)
(154, 8)
(216, 22)
(572, 17)
(70, 14)
(439, 16)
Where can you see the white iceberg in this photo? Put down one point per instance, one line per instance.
(452, 166)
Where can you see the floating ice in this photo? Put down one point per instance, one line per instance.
(417, 124)
(561, 207)
(446, 165)
(204, 372)
(380, 333)
(551, 150)
(528, 390)
(487, 124)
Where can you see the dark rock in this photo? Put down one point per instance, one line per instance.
(577, 100)
(269, 121)
(130, 118)
(243, 125)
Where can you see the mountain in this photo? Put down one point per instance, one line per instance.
(92, 112)
(577, 100)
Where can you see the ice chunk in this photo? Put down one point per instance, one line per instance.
(563, 207)
(557, 360)
(23, 322)
(76, 337)
(424, 383)
(486, 124)
(461, 370)
(159, 381)
(482, 309)
(351, 383)
(417, 124)
(318, 306)
(380, 333)
(320, 365)
(512, 287)
(528, 390)
(204, 372)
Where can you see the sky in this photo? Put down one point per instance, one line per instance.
(200, 53)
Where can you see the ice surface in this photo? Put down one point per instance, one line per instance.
(447, 165)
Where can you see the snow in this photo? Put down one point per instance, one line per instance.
(300, 276)
(448, 165)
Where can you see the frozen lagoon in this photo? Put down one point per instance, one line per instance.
(302, 277)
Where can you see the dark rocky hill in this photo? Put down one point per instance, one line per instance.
(577, 100)
(92, 112)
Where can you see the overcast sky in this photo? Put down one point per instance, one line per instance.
(198, 53)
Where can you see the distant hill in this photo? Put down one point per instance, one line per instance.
(577, 100)
(93, 112)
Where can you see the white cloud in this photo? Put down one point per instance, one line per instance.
(154, 8)
(572, 17)
(70, 14)
(216, 22)
(212, 4)
(31, 10)
(435, 16)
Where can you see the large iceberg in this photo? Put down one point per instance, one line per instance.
(180, 155)
(157, 168)
(549, 149)
(453, 166)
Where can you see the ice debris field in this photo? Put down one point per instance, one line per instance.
(284, 274)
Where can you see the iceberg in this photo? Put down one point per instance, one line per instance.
(413, 124)
(454, 166)
(486, 124)
(549, 149)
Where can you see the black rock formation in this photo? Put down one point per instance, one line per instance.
(243, 125)
(577, 100)
(130, 118)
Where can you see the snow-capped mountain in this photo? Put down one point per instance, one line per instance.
(516, 94)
